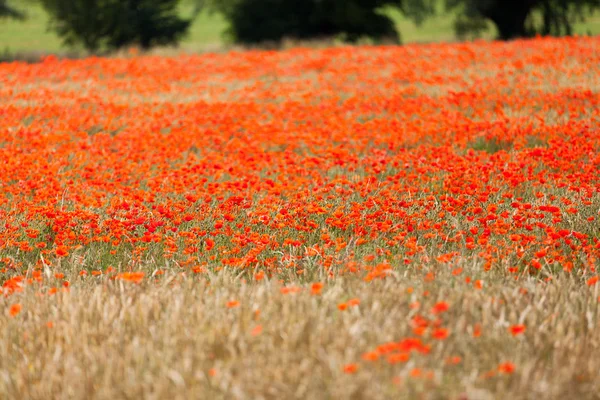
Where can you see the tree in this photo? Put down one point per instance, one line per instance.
(10, 12)
(256, 21)
(113, 24)
(515, 18)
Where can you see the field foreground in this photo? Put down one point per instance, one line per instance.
(372, 222)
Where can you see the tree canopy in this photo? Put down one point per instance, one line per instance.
(255, 21)
(113, 24)
(512, 18)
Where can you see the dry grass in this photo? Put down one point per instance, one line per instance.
(177, 338)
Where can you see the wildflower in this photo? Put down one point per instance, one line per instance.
(14, 310)
(61, 251)
(440, 307)
(506, 368)
(233, 304)
(454, 360)
(398, 358)
(516, 330)
(350, 368)
(353, 302)
(290, 289)
(415, 372)
(440, 333)
(133, 277)
(593, 280)
(257, 330)
(316, 288)
(477, 330)
(370, 356)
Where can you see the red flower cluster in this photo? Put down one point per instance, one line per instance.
(379, 159)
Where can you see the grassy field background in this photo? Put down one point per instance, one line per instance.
(207, 31)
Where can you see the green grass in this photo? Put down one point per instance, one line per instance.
(28, 35)
(207, 29)
(32, 36)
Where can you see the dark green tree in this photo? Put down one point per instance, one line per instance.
(519, 18)
(256, 21)
(112, 24)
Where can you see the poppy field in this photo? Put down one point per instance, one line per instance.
(352, 222)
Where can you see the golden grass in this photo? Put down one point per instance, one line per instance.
(178, 338)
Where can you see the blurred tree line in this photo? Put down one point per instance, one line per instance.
(112, 24)
(255, 21)
(513, 18)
